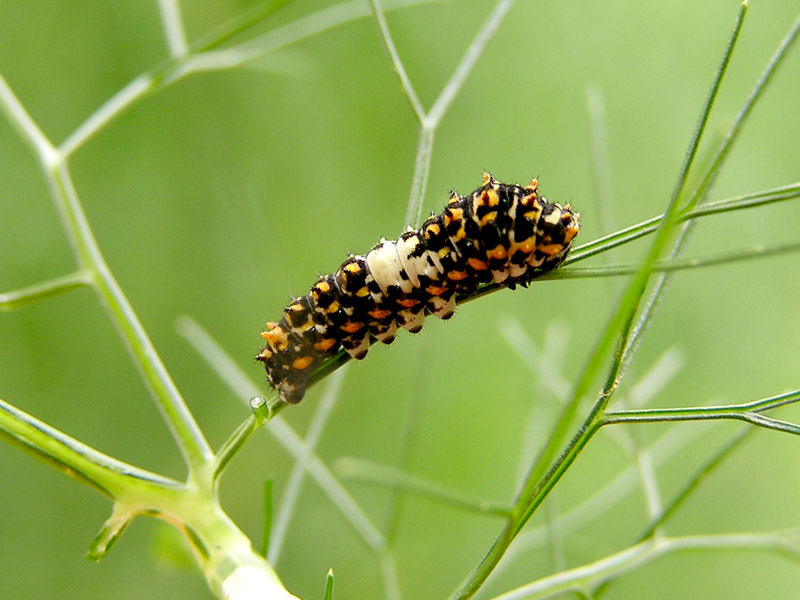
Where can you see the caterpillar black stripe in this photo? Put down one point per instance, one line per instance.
(500, 232)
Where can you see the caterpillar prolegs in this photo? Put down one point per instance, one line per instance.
(500, 232)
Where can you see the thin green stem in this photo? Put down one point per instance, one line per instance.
(233, 445)
(693, 482)
(46, 289)
(170, 11)
(689, 486)
(419, 180)
(601, 170)
(26, 127)
(634, 232)
(92, 267)
(664, 265)
(545, 472)
(430, 121)
(240, 23)
(269, 512)
(397, 64)
(696, 413)
(369, 472)
(467, 63)
(243, 387)
(290, 499)
(298, 30)
(591, 575)
(129, 95)
(105, 474)
(185, 431)
(758, 89)
(182, 64)
(675, 264)
(329, 585)
(603, 500)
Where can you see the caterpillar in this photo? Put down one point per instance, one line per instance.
(500, 232)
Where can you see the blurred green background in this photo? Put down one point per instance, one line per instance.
(220, 196)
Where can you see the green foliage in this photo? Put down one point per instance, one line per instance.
(206, 160)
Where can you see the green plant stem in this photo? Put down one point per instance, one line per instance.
(634, 232)
(620, 326)
(692, 484)
(291, 493)
(667, 265)
(233, 445)
(46, 289)
(207, 58)
(231, 373)
(26, 127)
(397, 64)
(700, 413)
(589, 576)
(545, 472)
(105, 474)
(369, 472)
(269, 511)
(329, 585)
(170, 11)
(219, 546)
(682, 495)
(419, 180)
(184, 428)
(756, 93)
(94, 270)
(429, 121)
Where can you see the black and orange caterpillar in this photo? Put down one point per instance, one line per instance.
(500, 232)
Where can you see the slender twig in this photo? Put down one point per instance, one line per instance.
(209, 59)
(230, 372)
(112, 108)
(633, 232)
(27, 128)
(93, 268)
(429, 122)
(602, 500)
(369, 472)
(419, 180)
(184, 63)
(46, 289)
(290, 499)
(397, 64)
(758, 89)
(474, 51)
(653, 529)
(170, 11)
(545, 471)
(108, 475)
(693, 482)
(184, 428)
(589, 576)
(701, 413)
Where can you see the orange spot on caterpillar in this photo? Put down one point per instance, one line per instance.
(457, 275)
(408, 302)
(325, 344)
(478, 265)
(351, 326)
(302, 363)
(498, 253)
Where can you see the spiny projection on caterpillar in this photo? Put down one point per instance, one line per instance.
(500, 232)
